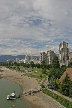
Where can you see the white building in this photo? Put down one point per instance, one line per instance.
(43, 57)
(50, 56)
(47, 57)
(27, 59)
(64, 54)
(70, 56)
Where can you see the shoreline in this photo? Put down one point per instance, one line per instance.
(18, 78)
(38, 100)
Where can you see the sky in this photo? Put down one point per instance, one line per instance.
(34, 26)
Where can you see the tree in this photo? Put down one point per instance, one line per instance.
(56, 73)
(52, 83)
(32, 64)
(18, 68)
(37, 65)
(55, 70)
(43, 66)
(55, 62)
(70, 89)
(49, 66)
(43, 70)
(65, 86)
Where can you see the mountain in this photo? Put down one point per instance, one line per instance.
(4, 58)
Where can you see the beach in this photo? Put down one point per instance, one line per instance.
(38, 100)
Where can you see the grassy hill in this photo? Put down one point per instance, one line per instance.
(69, 72)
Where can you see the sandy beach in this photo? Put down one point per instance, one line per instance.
(38, 100)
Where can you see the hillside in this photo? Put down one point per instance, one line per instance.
(69, 72)
(4, 58)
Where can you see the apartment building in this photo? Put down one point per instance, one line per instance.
(30, 58)
(27, 59)
(47, 57)
(70, 56)
(43, 57)
(63, 54)
(50, 56)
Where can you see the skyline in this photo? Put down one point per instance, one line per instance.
(30, 27)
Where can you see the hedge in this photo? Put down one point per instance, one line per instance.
(58, 98)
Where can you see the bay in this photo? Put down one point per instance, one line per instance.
(7, 87)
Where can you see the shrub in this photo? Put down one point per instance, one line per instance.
(58, 98)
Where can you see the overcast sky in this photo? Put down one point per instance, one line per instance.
(33, 26)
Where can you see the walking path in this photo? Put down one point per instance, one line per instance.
(70, 99)
(52, 103)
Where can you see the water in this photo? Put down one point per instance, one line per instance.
(7, 87)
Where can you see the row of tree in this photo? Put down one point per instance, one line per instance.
(54, 74)
(28, 65)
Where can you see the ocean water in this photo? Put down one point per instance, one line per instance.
(7, 87)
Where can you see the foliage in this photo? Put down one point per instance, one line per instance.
(42, 85)
(55, 70)
(65, 86)
(37, 65)
(70, 89)
(44, 71)
(63, 67)
(32, 64)
(49, 66)
(43, 66)
(58, 98)
(53, 83)
(55, 73)
(41, 76)
(70, 64)
(55, 63)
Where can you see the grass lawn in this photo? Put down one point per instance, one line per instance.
(35, 72)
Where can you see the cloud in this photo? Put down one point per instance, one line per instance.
(28, 26)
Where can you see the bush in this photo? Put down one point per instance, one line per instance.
(58, 98)
(42, 85)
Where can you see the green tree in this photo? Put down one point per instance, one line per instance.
(43, 66)
(18, 68)
(37, 65)
(52, 83)
(56, 73)
(32, 64)
(49, 66)
(65, 86)
(43, 70)
(55, 70)
(55, 63)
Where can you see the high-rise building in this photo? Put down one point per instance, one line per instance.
(43, 57)
(50, 56)
(27, 59)
(64, 53)
(70, 56)
(47, 57)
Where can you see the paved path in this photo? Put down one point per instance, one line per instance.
(50, 102)
(70, 99)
